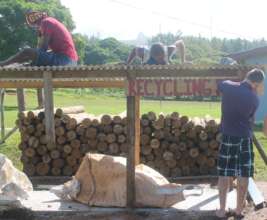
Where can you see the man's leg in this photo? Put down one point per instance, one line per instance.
(25, 55)
(223, 186)
(242, 189)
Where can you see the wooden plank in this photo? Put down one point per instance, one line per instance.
(49, 108)
(260, 149)
(21, 99)
(255, 194)
(40, 98)
(2, 115)
(137, 130)
(132, 130)
(141, 71)
(63, 84)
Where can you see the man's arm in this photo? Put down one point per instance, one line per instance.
(43, 42)
(181, 48)
(136, 52)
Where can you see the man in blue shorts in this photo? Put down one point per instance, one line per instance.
(236, 157)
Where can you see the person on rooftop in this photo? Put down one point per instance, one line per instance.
(55, 43)
(158, 54)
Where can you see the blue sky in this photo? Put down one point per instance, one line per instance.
(124, 19)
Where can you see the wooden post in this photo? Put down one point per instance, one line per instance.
(49, 108)
(260, 149)
(21, 99)
(133, 136)
(40, 98)
(2, 119)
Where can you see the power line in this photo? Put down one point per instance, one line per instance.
(158, 13)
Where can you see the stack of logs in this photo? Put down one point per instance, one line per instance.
(172, 144)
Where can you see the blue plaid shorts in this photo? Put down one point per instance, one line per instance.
(236, 157)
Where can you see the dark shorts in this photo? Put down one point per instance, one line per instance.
(236, 157)
(50, 58)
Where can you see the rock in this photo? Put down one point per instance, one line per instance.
(13, 183)
(14, 191)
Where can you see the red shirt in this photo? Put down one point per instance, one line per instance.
(60, 38)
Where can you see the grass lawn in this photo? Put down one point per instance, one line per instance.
(111, 105)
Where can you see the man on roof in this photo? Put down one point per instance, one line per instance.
(158, 54)
(55, 43)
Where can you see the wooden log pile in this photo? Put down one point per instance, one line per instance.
(172, 144)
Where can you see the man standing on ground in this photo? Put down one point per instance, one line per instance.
(55, 45)
(236, 157)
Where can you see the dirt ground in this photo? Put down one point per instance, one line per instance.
(250, 214)
(261, 214)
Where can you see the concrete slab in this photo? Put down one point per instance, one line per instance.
(207, 201)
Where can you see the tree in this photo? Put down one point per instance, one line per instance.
(81, 42)
(14, 32)
(104, 51)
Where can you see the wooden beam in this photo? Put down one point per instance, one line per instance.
(21, 99)
(40, 98)
(63, 84)
(113, 71)
(137, 130)
(2, 115)
(133, 133)
(49, 108)
(260, 149)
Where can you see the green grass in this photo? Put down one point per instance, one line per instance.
(112, 105)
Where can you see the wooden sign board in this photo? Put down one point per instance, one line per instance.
(173, 87)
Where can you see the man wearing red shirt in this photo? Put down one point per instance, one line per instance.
(55, 43)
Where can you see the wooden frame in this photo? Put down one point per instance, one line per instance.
(105, 76)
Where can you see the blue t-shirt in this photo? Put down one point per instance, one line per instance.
(239, 104)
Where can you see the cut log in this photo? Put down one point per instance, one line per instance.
(42, 169)
(56, 171)
(54, 154)
(67, 149)
(154, 143)
(29, 152)
(117, 119)
(102, 147)
(106, 120)
(46, 158)
(167, 155)
(75, 144)
(114, 148)
(121, 138)
(146, 150)
(203, 136)
(67, 171)
(61, 140)
(41, 150)
(118, 129)
(71, 135)
(60, 131)
(58, 163)
(91, 133)
(124, 148)
(71, 161)
(194, 152)
(111, 138)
